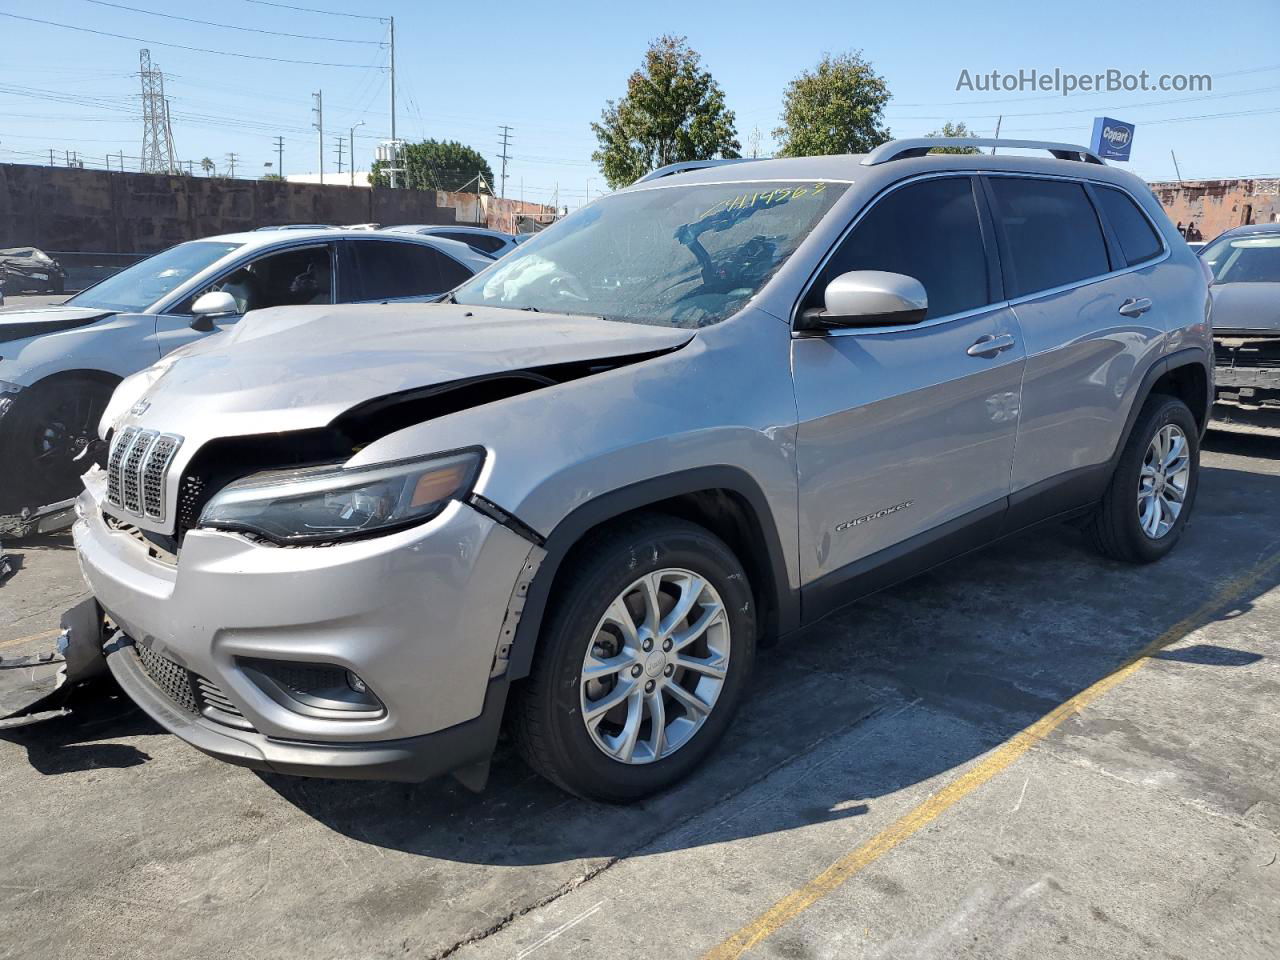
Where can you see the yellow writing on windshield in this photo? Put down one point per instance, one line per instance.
(763, 198)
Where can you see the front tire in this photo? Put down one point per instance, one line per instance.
(643, 662)
(47, 427)
(1149, 500)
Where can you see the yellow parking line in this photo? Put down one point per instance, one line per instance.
(831, 879)
(47, 635)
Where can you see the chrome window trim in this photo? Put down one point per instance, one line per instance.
(1011, 302)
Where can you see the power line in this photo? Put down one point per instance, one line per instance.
(230, 26)
(331, 13)
(180, 46)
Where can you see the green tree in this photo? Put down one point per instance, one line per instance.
(207, 166)
(836, 108)
(272, 176)
(953, 130)
(435, 165)
(673, 110)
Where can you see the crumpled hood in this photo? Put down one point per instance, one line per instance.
(298, 367)
(1246, 306)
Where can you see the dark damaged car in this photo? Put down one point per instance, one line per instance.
(1245, 263)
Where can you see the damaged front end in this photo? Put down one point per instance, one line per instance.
(1247, 372)
(38, 686)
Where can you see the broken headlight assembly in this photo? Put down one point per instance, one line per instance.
(319, 504)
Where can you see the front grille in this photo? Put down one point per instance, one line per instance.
(137, 471)
(189, 691)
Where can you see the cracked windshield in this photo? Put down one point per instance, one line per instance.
(671, 256)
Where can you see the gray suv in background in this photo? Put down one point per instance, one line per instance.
(693, 417)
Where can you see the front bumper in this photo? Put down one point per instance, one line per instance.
(417, 614)
(410, 759)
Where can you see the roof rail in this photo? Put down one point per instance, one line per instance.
(919, 146)
(683, 166)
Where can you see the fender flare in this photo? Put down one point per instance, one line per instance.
(1181, 358)
(609, 506)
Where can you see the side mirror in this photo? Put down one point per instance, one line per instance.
(215, 303)
(870, 298)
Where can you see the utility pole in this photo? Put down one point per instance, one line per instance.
(587, 198)
(395, 160)
(506, 140)
(1175, 167)
(231, 165)
(351, 142)
(280, 156)
(338, 148)
(318, 124)
(999, 120)
(51, 156)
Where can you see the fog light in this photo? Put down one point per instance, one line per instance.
(315, 689)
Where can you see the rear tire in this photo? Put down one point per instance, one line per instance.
(674, 680)
(1149, 499)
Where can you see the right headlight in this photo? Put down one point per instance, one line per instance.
(330, 502)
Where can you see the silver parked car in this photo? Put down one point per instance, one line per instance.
(1245, 265)
(694, 416)
(59, 364)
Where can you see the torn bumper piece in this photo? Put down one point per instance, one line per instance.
(452, 750)
(42, 683)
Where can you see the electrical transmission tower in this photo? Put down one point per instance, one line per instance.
(506, 140)
(158, 152)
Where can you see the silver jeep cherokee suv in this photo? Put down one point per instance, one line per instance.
(700, 413)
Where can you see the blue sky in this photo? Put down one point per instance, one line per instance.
(547, 68)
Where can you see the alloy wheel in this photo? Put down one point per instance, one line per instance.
(655, 666)
(1163, 481)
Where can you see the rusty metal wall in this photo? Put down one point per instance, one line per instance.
(56, 208)
(1217, 205)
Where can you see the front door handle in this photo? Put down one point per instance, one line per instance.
(1135, 307)
(990, 345)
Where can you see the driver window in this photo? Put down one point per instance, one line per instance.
(927, 230)
(285, 279)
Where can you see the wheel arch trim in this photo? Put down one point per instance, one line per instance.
(624, 500)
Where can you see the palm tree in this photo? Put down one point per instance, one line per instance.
(207, 166)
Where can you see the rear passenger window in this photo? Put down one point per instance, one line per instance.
(389, 269)
(927, 230)
(1138, 240)
(1052, 235)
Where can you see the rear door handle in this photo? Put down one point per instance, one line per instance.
(1135, 307)
(990, 345)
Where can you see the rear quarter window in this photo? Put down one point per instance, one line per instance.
(1138, 239)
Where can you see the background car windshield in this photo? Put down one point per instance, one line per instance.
(138, 287)
(1244, 259)
(684, 256)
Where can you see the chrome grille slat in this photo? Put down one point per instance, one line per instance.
(131, 471)
(137, 471)
(153, 475)
(121, 447)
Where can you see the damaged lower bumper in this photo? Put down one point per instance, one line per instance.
(458, 749)
(1247, 370)
(40, 684)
